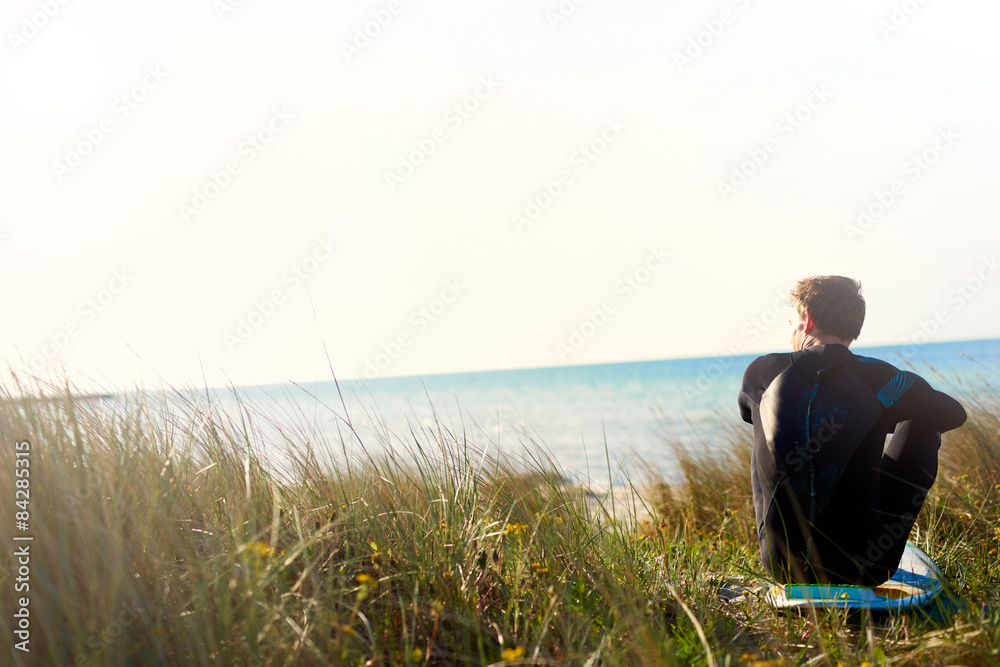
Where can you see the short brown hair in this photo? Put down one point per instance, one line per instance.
(835, 303)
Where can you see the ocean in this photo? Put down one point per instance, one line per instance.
(581, 419)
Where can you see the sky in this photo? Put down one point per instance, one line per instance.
(254, 191)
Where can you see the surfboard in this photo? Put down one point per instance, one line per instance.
(916, 583)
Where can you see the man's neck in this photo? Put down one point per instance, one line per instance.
(823, 339)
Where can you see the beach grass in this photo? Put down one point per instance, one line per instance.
(172, 533)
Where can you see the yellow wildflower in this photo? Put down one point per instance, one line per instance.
(539, 569)
(259, 548)
(367, 580)
(512, 653)
(417, 655)
(515, 529)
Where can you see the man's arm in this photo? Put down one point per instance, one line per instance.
(746, 408)
(758, 375)
(908, 396)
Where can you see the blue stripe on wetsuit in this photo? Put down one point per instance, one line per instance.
(870, 360)
(897, 386)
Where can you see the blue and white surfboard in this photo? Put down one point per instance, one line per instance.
(916, 583)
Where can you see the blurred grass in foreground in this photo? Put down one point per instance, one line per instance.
(172, 537)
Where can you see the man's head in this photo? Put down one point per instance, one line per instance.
(830, 310)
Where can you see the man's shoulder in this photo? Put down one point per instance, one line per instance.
(888, 382)
(877, 371)
(763, 369)
(771, 360)
(757, 377)
(872, 362)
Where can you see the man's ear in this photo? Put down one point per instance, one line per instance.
(810, 324)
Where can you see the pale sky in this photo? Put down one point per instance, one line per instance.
(221, 191)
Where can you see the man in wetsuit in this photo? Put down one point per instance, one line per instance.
(831, 505)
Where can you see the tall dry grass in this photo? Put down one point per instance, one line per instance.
(170, 534)
(175, 534)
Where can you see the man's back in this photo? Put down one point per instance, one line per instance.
(821, 494)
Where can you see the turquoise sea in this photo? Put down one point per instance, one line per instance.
(579, 417)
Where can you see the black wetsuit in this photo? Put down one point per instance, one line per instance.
(831, 505)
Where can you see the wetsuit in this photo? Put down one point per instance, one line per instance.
(831, 505)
